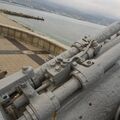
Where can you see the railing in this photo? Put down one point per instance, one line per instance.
(50, 45)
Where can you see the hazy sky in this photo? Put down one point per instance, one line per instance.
(108, 7)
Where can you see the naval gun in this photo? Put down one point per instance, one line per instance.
(82, 83)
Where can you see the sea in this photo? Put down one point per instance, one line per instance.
(60, 28)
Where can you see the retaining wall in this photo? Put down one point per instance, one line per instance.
(50, 45)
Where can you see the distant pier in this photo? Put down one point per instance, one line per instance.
(21, 15)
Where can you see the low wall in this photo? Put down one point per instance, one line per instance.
(50, 45)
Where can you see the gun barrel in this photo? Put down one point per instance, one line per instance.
(107, 32)
(100, 37)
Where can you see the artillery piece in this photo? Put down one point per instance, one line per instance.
(82, 83)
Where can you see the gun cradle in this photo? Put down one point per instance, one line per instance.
(80, 84)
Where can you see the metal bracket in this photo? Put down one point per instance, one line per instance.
(28, 90)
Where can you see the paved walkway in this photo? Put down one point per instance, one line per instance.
(14, 55)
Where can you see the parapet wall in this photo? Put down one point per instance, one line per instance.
(50, 45)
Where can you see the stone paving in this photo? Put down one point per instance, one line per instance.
(6, 45)
(13, 63)
(14, 55)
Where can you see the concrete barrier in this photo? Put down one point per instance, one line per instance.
(50, 45)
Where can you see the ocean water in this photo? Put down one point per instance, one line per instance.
(63, 29)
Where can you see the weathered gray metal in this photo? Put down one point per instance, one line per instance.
(100, 37)
(99, 102)
(109, 31)
(109, 45)
(71, 84)
(90, 75)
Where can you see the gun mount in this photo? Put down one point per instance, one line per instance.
(82, 83)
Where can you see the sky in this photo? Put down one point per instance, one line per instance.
(106, 7)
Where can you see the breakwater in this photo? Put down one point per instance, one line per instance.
(21, 15)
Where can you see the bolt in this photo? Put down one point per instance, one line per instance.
(74, 63)
(89, 62)
(66, 60)
(59, 60)
(57, 68)
(95, 44)
(52, 64)
(24, 68)
(5, 97)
